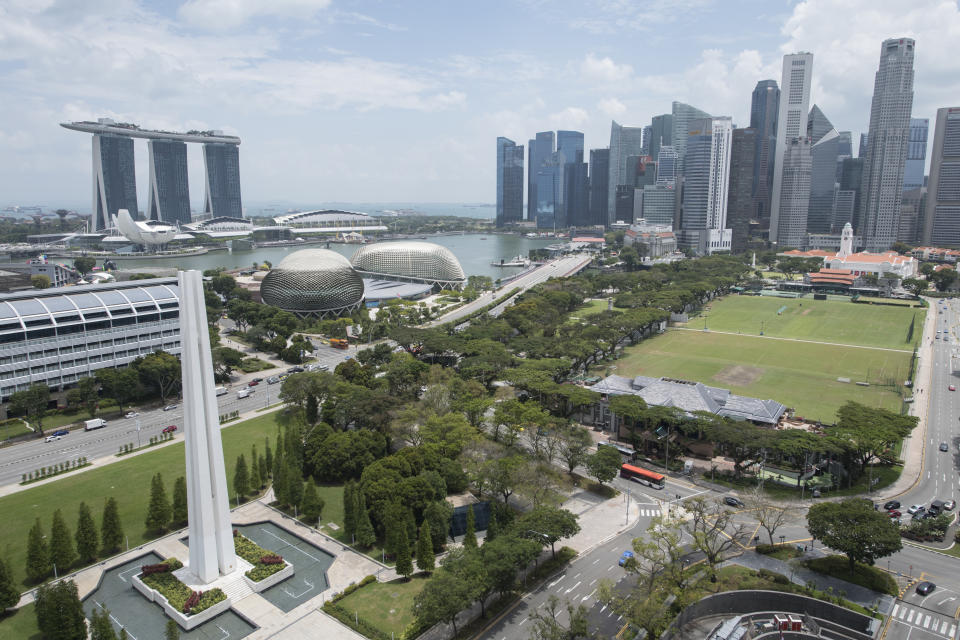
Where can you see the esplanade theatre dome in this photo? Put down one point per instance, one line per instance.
(408, 260)
(313, 282)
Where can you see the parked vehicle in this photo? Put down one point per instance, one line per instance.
(892, 504)
(914, 508)
(949, 505)
(273, 380)
(96, 423)
(733, 502)
(936, 508)
(893, 513)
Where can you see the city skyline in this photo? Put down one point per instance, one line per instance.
(261, 73)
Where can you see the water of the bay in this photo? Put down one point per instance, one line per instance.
(476, 252)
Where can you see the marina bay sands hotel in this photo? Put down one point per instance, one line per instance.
(114, 177)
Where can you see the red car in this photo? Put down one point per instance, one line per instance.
(893, 513)
(170, 429)
(952, 388)
(253, 383)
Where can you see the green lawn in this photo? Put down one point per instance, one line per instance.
(127, 480)
(386, 605)
(11, 428)
(800, 375)
(20, 624)
(833, 321)
(587, 308)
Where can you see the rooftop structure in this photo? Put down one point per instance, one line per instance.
(330, 221)
(313, 282)
(150, 233)
(108, 126)
(409, 260)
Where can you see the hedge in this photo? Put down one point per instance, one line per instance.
(255, 555)
(353, 587)
(177, 593)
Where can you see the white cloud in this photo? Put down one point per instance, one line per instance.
(571, 118)
(219, 15)
(611, 107)
(603, 70)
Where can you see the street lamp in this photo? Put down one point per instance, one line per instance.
(781, 539)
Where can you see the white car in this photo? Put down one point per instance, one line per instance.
(914, 508)
(51, 438)
(131, 414)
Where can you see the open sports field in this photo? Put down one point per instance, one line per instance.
(798, 374)
(834, 321)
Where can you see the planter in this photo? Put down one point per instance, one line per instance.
(185, 621)
(269, 581)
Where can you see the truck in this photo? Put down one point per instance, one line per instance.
(244, 393)
(96, 423)
(221, 391)
(339, 343)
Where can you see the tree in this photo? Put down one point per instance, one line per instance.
(294, 484)
(547, 524)
(855, 529)
(366, 536)
(574, 443)
(88, 542)
(768, 515)
(84, 264)
(40, 281)
(712, 528)
(111, 529)
(438, 513)
(425, 556)
(38, 554)
(60, 612)
(547, 624)
(241, 478)
(945, 279)
(659, 556)
(350, 510)
(443, 597)
(100, 626)
(89, 392)
(120, 384)
(160, 370)
(10, 595)
(604, 464)
(172, 631)
(31, 402)
(504, 475)
(868, 431)
(179, 511)
(915, 285)
(62, 553)
(312, 505)
(470, 537)
(402, 551)
(159, 510)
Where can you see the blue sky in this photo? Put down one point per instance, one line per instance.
(388, 102)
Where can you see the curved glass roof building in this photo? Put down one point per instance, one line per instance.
(313, 282)
(411, 261)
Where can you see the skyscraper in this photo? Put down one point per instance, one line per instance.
(540, 149)
(667, 165)
(916, 154)
(114, 178)
(847, 204)
(169, 198)
(624, 142)
(764, 105)
(222, 163)
(599, 185)
(942, 219)
(791, 123)
(661, 133)
(647, 135)
(551, 208)
(577, 193)
(818, 125)
(823, 183)
(887, 138)
(743, 149)
(509, 182)
(570, 144)
(682, 114)
(794, 194)
(659, 204)
(703, 212)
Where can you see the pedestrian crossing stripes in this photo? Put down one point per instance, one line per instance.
(924, 620)
(649, 512)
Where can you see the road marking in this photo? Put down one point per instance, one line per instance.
(592, 582)
(595, 561)
(603, 608)
(588, 595)
(524, 620)
(943, 627)
(896, 608)
(946, 600)
(571, 588)
(926, 623)
(953, 628)
(556, 581)
(910, 615)
(121, 574)
(577, 576)
(610, 568)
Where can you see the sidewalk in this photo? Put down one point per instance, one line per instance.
(600, 520)
(914, 444)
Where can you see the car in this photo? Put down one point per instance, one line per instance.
(51, 438)
(916, 508)
(949, 505)
(624, 557)
(170, 429)
(925, 588)
(131, 414)
(257, 380)
(944, 447)
(952, 388)
(273, 380)
(253, 383)
(733, 502)
(892, 504)
(295, 370)
(170, 407)
(893, 513)
(61, 432)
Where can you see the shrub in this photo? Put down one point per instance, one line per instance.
(271, 559)
(766, 549)
(150, 569)
(192, 601)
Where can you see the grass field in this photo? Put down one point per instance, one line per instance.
(127, 480)
(20, 624)
(808, 319)
(386, 605)
(593, 306)
(11, 428)
(801, 375)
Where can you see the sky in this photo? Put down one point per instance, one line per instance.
(373, 101)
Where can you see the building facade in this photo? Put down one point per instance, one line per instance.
(916, 154)
(114, 178)
(540, 148)
(764, 107)
(222, 169)
(791, 124)
(509, 182)
(703, 213)
(886, 152)
(740, 201)
(169, 196)
(682, 116)
(794, 194)
(942, 219)
(624, 142)
(661, 134)
(825, 154)
(599, 185)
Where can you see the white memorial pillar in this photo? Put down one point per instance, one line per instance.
(208, 506)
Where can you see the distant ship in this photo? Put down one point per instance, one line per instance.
(531, 235)
(517, 261)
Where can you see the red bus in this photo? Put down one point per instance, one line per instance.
(642, 476)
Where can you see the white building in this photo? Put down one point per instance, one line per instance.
(888, 263)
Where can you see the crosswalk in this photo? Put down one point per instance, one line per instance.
(922, 620)
(649, 513)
